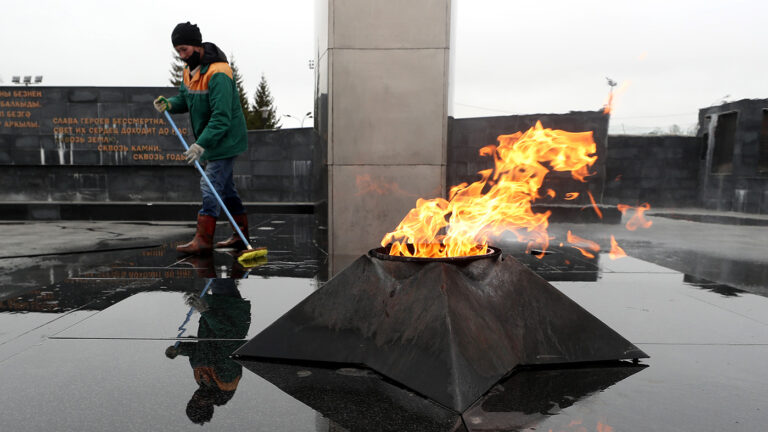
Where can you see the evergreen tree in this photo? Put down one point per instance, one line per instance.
(238, 79)
(177, 70)
(263, 111)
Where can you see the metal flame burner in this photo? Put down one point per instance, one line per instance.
(382, 253)
(446, 328)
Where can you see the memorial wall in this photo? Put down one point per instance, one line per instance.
(108, 145)
(87, 126)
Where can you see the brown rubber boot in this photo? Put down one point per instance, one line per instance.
(235, 241)
(203, 242)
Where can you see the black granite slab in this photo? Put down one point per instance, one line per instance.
(708, 342)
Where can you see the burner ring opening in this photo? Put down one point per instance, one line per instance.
(382, 253)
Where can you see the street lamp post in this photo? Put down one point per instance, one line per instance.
(306, 116)
(27, 80)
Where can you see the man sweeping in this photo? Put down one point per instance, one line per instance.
(210, 95)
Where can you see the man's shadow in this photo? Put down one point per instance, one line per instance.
(224, 321)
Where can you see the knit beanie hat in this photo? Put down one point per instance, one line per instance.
(186, 34)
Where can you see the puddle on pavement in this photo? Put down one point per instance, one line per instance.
(201, 308)
(124, 385)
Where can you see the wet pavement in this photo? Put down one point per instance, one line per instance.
(139, 339)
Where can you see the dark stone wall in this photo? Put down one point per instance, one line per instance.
(98, 184)
(108, 144)
(660, 170)
(742, 185)
(278, 167)
(467, 136)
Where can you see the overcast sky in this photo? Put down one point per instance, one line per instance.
(670, 58)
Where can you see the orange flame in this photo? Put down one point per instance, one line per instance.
(637, 220)
(608, 107)
(571, 195)
(616, 251)
(609, 104)
(581, 244)
(499, 201)
(594, 205)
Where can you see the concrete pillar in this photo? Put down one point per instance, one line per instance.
(382, 104)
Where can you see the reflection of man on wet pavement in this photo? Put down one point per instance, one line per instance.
(224, 314)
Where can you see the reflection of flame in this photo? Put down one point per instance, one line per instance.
(637, 220)
(571, 195)
(366, 185)
(578, 426)
(616, 251)
(602, 427)
(500, 201)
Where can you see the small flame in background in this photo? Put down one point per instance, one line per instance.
(594, 205)
(608, 107)
(608, 104)
(501, 200)
(616, 251)
(583, 245)
(638, 219)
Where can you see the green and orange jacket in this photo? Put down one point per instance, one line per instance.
(213, 104)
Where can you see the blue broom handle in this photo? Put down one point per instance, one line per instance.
(210, 185)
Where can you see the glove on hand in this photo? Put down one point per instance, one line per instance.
(194, 153)
(196, 302)
(161, 104)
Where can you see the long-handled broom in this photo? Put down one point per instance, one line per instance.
(248, 256)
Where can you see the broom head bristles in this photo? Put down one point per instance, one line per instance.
(252, 257)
